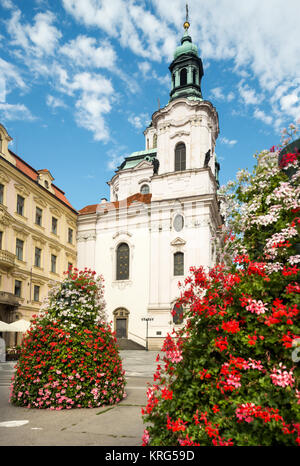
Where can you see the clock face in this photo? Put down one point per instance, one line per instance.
(178, 222)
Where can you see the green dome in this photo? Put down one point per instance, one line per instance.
(186, 47)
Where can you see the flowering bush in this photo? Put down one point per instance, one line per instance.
(69, 357)
(228, 376)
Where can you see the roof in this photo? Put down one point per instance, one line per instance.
(136, 157)
(138, 197)
(25, 168)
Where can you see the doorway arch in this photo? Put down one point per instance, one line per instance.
(121, 317)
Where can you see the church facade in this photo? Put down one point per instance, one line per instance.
(163, 214)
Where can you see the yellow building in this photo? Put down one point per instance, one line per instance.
(37, 235)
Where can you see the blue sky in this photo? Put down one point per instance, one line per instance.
(80, 79)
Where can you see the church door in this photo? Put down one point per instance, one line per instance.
(121, 328)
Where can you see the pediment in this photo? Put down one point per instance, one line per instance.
(143, 164)
(178, 242)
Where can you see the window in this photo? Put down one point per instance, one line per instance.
(154, 141)
(36, 293)
(177, 314)
(180, 158)
(178, 263)
(18, 288)
(20, 205)
(183, 77)
(1, 193)
(37, 257)
(1, 239)
(54, 225)
(46, 184)
(70, 235)
(145, 189)
(38, 216)
(178, 222)
(53, 263)
(123, 262)
(19, 249)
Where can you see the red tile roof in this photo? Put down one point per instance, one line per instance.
(33, 174)
(138, 197)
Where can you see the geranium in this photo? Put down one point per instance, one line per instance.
(69, 356)
(236, 382)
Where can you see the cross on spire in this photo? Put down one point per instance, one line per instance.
(187, 23)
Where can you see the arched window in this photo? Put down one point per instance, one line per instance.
(178, 263)
(173, 79)
(123, 262)
(180, 158)
(183, 77)
(145, 189)
(154, 141)
(177, 314)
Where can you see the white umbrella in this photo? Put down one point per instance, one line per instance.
(21, 325)
(4, 327)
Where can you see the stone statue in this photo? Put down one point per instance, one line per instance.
(207, 158)
(155, 163)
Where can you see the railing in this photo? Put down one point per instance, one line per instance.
(130, 333)
(7, 258)
(8, 298)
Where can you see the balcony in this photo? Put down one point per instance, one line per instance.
(9, 299)
(7, 259)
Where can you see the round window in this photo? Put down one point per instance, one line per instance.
(145, 189)
(178, 222)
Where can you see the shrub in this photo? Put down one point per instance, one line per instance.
(69, 356)
(230, 375)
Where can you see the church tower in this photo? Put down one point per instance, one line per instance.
(186, 69)
(163, 215)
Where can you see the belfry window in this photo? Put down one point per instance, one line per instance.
(183, 77)
(180, 157)
(123, 262)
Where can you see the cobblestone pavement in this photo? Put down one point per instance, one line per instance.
(118, 425)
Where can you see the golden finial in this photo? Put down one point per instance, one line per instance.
(186, 24)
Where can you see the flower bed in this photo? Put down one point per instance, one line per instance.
(69, 356)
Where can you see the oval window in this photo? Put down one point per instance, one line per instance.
(145, 189)
(178, 222)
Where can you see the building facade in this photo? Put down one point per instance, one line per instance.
(163, 214)
(37, 235)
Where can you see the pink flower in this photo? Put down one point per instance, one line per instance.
(282, 378)
(257, 307)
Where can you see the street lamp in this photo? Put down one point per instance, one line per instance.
(147, 319)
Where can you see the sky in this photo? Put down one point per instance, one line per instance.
(80, 80)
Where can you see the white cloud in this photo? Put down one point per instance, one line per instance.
(228, 142)
(54, 102)
(15, 112)
(8, 4)
(39, 38)
(83, 52)
(219, 94)
(261, 115)
(133, 25)
(248, 95)
(139, 121)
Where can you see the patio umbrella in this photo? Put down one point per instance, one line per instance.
(21, 325)
(4, 327)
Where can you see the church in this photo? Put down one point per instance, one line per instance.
(163, 214)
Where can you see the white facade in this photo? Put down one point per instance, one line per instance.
(146, 222)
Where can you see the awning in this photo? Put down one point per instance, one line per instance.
(21, 325)
(4, 327)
